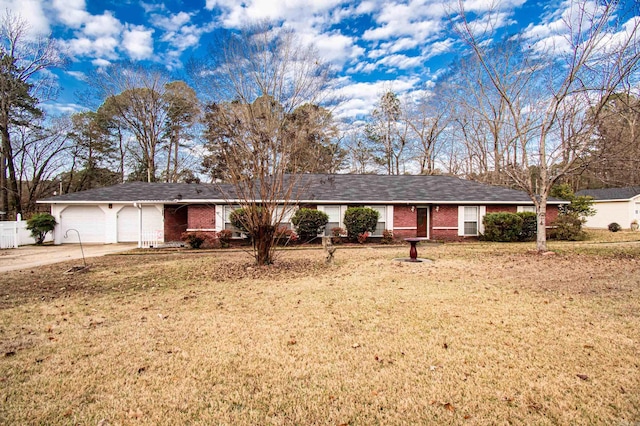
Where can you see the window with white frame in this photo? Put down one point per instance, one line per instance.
(382, 220)
(284, 214)
(531, 209)
(227, 222)
(471, 220)
(335, 217)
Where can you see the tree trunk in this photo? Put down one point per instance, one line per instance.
(541, 210)
(13, 194)
(263, 244)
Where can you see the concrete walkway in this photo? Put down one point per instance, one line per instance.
(27, 257)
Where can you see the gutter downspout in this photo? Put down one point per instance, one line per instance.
(139, 207)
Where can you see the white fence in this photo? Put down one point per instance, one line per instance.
(15, 233)
(151, 239)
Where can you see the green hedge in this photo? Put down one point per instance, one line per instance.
(359, 220)
(503, 227)
(309, 222)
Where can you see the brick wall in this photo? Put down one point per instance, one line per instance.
(201, 217)
(552, 214)
(175, 222)
(444, 216)
(403, 217)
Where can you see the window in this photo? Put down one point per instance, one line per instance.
(227, 222)
(285, 216)
(335, 218)
(382, 219)
(471, 220)
(531, 209)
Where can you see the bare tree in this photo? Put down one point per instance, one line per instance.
(360, 153)
(183, 112)
(591, 57)
(615, 160)
(22, 86)
(257, 78)
(135, 95)
(388, 132)
(427, 118)
(40, 154)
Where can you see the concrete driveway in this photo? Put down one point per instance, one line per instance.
(27, 257)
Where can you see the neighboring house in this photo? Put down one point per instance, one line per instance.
(434, 207)
(620, 205)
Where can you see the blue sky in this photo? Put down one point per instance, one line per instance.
(376, 45)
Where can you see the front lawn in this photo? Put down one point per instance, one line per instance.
(487, 334)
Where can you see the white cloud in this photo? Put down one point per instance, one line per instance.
(104, 47)
(137, 41)
(334, 47)
(401, 61)
(56, 109)
(437, 48)
(78, 75)
(360, 98)
(72, 13)
(102, 25)
(31, 11)
(173, 22)
(100, 63)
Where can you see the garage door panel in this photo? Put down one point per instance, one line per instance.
(89, 221)
(128, 222)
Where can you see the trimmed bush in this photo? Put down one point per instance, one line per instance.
(39, 225)
(285, 236)
(359, 220)
(529, 226)
(336, 235)
(614, 227)
(387, 236)
(309, 222)
(198, 240)
(567, 227)
(503, 227)
(224, 237)
(362, 238)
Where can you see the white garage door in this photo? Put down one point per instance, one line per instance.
(87, 220)
(128, 222)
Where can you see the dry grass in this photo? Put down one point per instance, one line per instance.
(487, 334)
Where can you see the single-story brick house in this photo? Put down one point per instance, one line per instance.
(434, 207)
(620, 205)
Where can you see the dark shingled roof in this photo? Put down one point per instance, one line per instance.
(611, 193)
(328, 188)
(142, 191)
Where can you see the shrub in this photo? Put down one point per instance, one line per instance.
(309, 222)
(359, 220)
(39, 225)
(504, 227)
(198, 240)
(387, 236)
(567, 227)
(336, 235)
(362, 238)
(285, 235)
(529, 226)
(614, 227)
(224, 237)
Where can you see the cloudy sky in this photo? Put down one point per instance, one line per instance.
(376, 45)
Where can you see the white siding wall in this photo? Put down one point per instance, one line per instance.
(611, 211)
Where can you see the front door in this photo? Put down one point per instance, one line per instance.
(423, 222)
